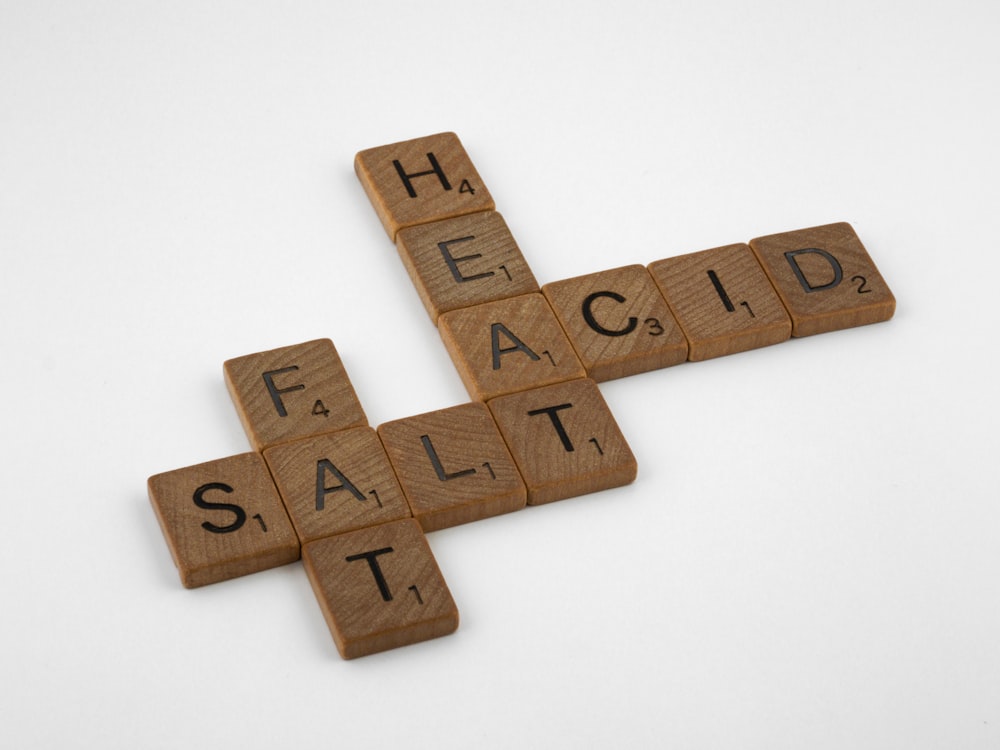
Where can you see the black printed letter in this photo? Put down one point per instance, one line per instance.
(588, 315)
(838, 272)
(276, 392)
(557, 423)
(435, 169)
(199, 500)
(383, 586)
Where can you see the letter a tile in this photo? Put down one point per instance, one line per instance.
(565, 440)
(336, 483)
(453, 465)
(618, 322)
(463, 262)
(508, 345)
(722, 300)
(292, 392)
(379, 588)
(825, 278)
(222, 519)
(421, 180)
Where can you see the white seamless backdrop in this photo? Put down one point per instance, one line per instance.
(809, 555)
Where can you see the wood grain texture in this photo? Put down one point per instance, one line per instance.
(292, 392)
(453, 466)
(379, 588)
(464, 261)
(618, 322)
(722, 300)
(336, 483)
(421, 180)
(509, 345)
(825, 278)
(222, 519)
(564, 440)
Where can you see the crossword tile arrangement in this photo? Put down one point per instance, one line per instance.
(354, 503)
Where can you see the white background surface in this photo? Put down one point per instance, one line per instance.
(809, 557)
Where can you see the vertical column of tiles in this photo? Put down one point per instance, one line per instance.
(222, 519)
(618, 322)
(453, 465)
(565, 440)
(825, 278)
(379, 588)
(508, 345)
(336, 483)
(463, 262)
(722, 300)
(421, 180)
(292, 392)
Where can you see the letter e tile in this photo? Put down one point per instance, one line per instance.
(618, 322)
(825, 278)
(453, 465)
(292, 392)
(463, 262)
(336, 483)
(222, 519)
(722, 300)
(565, 440)
(421, 180)
(379, 588)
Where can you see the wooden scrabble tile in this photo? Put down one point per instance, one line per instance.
(421, 180)
(618, 322)
(722, 300)
(565, 440)
(222, 519)
(336, 482)
(825, 278)
(453, 465)
(464, 261)
(292, 392)
(379, 588)
(508, 345)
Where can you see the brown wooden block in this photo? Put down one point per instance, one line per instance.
(508, 345)
(825, 278)
(722, 300)
(336, 483)
(292, 392)
(223, 519)
(453, 465)
(421, 180)
(379, 588)
(618, 322)
(464, 261)
(565, 440)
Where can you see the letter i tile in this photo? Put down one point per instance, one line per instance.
(825, 278)
(379, 588)
(565, 440)
(722, 300)
(222, 519)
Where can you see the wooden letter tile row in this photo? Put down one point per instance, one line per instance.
(506, 335)
(320, 476)
(355, 502)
